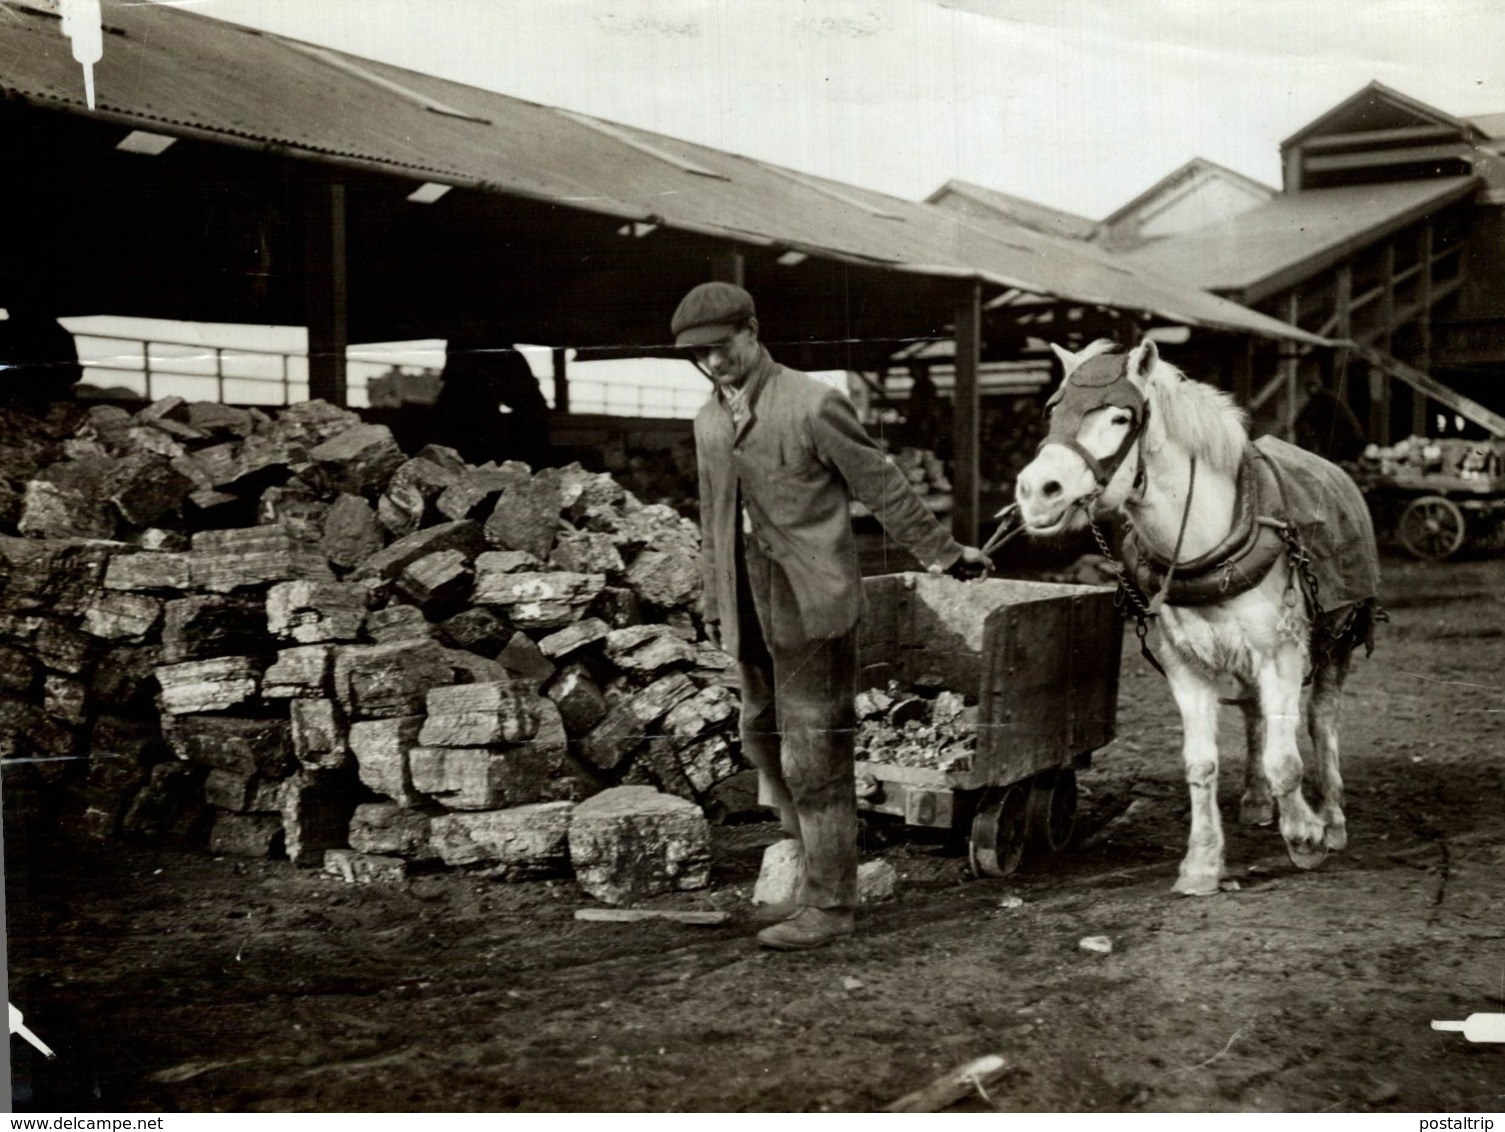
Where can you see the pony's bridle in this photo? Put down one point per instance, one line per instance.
(1098, 383)
(1102, 382)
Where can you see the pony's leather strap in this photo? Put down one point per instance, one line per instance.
(1094, 465)
(1102, 470)
(1237, 564)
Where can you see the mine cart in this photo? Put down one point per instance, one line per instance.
(1037, 664)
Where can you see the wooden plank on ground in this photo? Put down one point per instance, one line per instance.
(974, 1076)
(640, 915)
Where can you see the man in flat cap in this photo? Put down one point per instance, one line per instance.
(781, 456)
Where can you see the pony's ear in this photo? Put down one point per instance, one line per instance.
(1142, 361)
(1069, 361)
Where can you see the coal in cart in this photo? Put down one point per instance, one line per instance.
(1437, 497)
(1033, 669)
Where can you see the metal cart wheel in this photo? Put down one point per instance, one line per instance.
(1431, 527)
(999, 830)
(1052, 810)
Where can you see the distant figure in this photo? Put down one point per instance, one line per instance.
(38, 359)
(468, 417)
(1327, 426)
(925, 418)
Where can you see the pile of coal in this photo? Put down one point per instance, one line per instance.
(278, 634)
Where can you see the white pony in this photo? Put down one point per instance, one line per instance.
(1257, 561)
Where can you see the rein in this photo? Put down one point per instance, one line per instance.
(1158, 601)
(1145, 608)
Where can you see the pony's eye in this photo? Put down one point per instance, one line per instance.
(1121, 418)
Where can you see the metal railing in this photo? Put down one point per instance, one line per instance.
(633, 399)
(156, 367)
(155, 362)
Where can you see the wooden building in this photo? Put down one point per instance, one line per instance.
(1389, 233)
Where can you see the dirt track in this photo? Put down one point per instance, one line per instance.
(179, 982)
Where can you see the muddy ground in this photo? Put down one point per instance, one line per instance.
(170, 981)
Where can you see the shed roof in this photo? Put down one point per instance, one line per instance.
(179, 73)
(1374, 104)
(1031, 214)
(1490, 125)
(1191, 169)
(1252, 254)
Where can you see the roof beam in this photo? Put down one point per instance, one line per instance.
(622, 135)
(1411, 155)
(350, 67)
(817, 186)
(1423, 383)
(1374, 138)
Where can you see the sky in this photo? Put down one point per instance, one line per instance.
(1078, 104)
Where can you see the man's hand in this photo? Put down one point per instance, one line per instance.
(973, 563)
(713, 633)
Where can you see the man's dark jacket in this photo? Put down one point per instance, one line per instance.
(800, 457)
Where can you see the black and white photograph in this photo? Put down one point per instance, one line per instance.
(812, 556)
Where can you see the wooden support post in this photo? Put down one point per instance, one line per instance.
(1290, 369)
(1379, 406)
(1343, 300)
(965, 410)
(729, 267)
(1387, 299)
(1243, 373)
(325, 293)
(1379, 381)
(561, 380)
(1424, 351)
(1291, 170)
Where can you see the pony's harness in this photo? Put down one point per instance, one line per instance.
(1261, 531)
(1100, 382)
(1237, 564)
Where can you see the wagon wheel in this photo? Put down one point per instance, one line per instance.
(1431, 527)
(1052, 810)
(999, 830)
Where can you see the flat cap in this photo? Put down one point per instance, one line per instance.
(710, 313)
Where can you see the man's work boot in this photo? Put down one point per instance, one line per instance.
(774, 913)
(807, 928)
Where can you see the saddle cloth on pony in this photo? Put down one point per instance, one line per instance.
(1282, 487)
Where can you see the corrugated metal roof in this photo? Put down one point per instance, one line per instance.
(1292, 229)
(957, 195)
(176, 72)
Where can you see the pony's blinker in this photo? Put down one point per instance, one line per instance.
(1100, 382)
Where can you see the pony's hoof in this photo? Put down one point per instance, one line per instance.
(1306, 854)
(1200, 884)
(1256, 811)
(1336, 837)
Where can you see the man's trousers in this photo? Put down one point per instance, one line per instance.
(798, 728)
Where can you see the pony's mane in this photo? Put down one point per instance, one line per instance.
(1204, 420)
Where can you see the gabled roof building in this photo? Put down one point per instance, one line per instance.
(1389, 232)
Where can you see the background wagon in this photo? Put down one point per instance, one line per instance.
(1435, 497)
(1040, 661)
